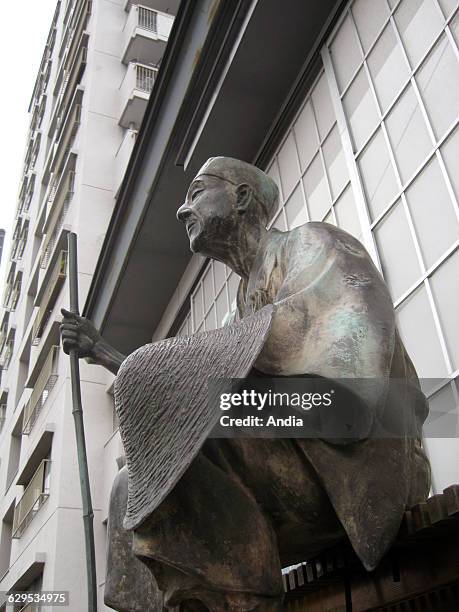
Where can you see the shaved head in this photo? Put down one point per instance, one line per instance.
(235, 171)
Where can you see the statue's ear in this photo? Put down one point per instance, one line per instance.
(244, 196)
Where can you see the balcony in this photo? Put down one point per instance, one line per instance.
(7, 351)
(134, 92)
(33, 498)
(71, 77)
(165, 6)
(42, 388)
(65, 138)
(20, 243)
(145, 35)
(4, 330)
(47, 296)
(12, 293)
(59, 207)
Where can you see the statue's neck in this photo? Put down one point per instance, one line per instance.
(241, 256)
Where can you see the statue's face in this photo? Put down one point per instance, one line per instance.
(209, 214)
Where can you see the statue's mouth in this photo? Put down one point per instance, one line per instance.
(190, 225)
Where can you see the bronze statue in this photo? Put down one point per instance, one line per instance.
(216, 520)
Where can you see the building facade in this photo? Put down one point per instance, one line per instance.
(2, 242)
(351, 107)
(98, 68)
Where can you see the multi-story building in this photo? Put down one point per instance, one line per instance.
(98, 68)
(351, 106)
(2, 242)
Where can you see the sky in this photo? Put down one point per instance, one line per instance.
(24, 34)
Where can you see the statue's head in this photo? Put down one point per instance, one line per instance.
(226, 196)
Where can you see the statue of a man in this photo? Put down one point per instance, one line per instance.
(215, 520)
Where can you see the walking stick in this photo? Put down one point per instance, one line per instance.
(88, 514)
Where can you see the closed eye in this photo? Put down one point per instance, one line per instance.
(195, 194)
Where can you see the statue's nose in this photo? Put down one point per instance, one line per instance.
(183, 213)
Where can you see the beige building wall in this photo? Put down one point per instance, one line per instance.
(97, 71)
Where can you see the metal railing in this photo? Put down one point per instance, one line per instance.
(144, 78)
(147, 19)
(72, 77)
(57, 220)
(5, 357)
(15, 297)
(42, 388)
(48, 300)
(34, 496)
(66, 140)
(3, 335)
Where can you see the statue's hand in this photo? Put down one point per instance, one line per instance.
(80, 334)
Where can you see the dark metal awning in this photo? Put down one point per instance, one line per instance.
(231, 79)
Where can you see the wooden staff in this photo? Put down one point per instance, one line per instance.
(88, 514)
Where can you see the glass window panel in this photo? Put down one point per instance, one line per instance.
(418, 21)
(208, 288)
(295, 209)
(221, 305)
(288, 165)
(454, 25)
(369, 18)
(396, 249)
(198, 311)
(443, 400)
(442, 419)
(388, 67)
(408, 134)
(280, 224)
(418, 333)
(346, 214)
(323, 107)
(360, 109)
(377, 175)
(335, 162)
(210, 322)
(432, 212)
(438, 81)
(316, 190)
(445, 288)
(306, 135)
(450, 154)
(448, 6)
(233, 284)
(345, 53)
(220, 274)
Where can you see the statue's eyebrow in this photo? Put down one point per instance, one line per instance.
(196, 183)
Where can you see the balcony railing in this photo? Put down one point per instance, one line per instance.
(61, 204)
(145, 35)
(3, 335)
(48, 300)
(72, 76)
(145, 78)
(2, 416)
(43, 386)
(5, 357)
(148, 19)
(66, 140)
(135, 90)
(34, 496)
